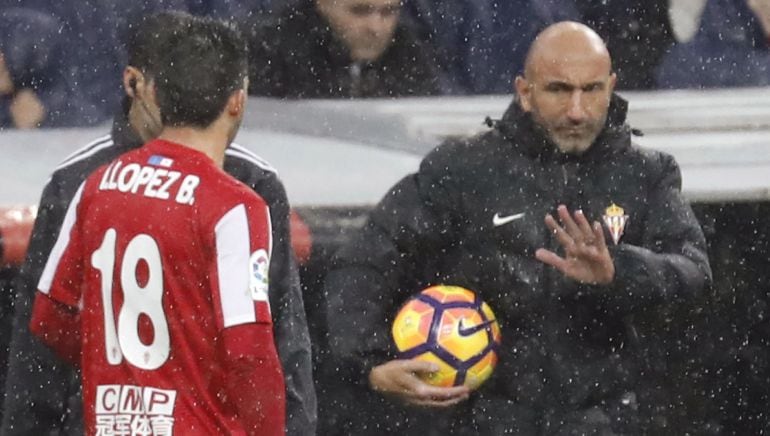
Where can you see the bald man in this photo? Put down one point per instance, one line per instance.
(562, 225)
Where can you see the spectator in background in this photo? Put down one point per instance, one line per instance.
(92, 58)
(480, 44)
(638, 34)
(730, 49)
(340, 49)
(34, 88)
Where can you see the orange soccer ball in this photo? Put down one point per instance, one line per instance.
(452, 327)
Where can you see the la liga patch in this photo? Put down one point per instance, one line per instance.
(258, 279)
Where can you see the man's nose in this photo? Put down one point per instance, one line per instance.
(576, 112)
(376, 23)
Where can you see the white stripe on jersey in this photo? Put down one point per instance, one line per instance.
(61, 243)
(86, 151)
(233, 267)
(241, 152)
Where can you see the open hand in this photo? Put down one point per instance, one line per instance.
(586, 257)
(400, 379)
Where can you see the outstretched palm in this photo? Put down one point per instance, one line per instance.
(586, 257)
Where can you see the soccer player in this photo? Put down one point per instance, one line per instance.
(42, 395)
(157, 285)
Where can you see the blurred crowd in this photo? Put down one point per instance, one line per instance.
(60, 61)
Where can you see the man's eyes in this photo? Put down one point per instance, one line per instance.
(558, 87)
(361, 10)
(564, 87)
(366, 10)
(593, 87)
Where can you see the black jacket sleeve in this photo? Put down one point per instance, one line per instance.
(38, 386)
(290, 322)
(385, 264)
(671, 264)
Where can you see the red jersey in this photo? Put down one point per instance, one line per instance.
(163, 260)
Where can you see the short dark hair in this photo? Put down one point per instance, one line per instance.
(151, 36)
(202, 67)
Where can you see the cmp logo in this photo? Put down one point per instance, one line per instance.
(258, 281)
(134, 410)
(615, 219)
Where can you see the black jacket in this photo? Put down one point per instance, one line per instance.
(42, 394)
(566, 346)
(299, 57)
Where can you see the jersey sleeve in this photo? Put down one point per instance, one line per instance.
(242, 244)
(254, 377)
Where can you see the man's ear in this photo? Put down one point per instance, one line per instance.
(131, 80)
(236, 104)
(524, 93)
(613, 80)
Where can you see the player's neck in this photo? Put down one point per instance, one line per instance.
(211, 142)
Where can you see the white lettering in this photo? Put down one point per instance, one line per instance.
(127, 177)
(134, 410)
(173, 176)
(107, 398)
(145, 174)
(105, 177)
(157, 182)
(112, 183)
(186, 194)
(131, 400)
(159, 401)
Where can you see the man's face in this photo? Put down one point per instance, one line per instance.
(366, 27)
(569, 98)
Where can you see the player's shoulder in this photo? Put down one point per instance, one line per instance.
(220, 193)
(219, 186)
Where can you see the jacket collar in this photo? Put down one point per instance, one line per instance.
(518, 127)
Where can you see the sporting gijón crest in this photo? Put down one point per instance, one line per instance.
(615, 219)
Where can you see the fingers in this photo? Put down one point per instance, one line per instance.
(586, 255)
(400, 378)
(550, 258)
(426, 395)
(584, 228)
(561, 235)
(438, 402)
(420, 393)
(575, 233)
(418, 366)
(599, 235)
(569, 224)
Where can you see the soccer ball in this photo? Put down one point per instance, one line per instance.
(452, 327)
